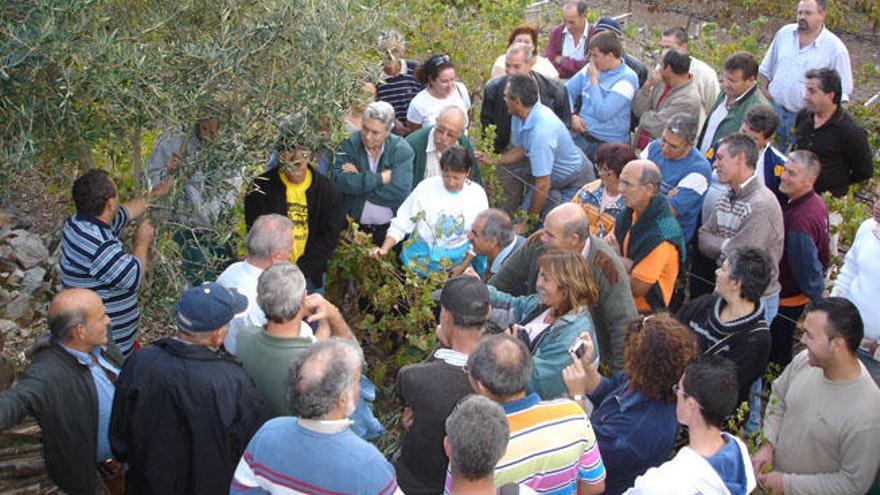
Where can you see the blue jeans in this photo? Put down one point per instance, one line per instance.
(771, 307)
(784, 134)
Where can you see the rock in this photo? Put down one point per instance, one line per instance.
(19, 309)
(32, 280)
(5, 219)
(28, 249)
(7, 327)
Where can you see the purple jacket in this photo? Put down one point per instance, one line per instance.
(567, 67)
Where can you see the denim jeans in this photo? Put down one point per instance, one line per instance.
(771, 307)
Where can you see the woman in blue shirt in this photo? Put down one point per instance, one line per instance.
(634, 410)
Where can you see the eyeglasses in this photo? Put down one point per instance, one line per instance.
(438, 60)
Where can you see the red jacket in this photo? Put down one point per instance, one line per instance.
(567, 67)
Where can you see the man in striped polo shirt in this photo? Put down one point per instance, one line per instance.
(552, 447)
(93, 257)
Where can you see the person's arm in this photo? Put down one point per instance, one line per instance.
(615, 310)
(710, 240)
(860, 459)
(539, 196)
(606, 107)
(803, 258)
(413, 115)
(569, 66)
(859, 156)
(581, 377)
(767, 69)
(641, 102)
(391, 194)
(842, 65)
(591, 472)
(23, 398)
(348, 177)
(648, 271)
(330, 225)
(757, 227)
(554, 46)
(514, 273)
(245, 481)
(321, 309)
(143, 238)
(850, 269)
(514, 154)
(573, 88)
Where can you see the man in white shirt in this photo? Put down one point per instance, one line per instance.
(705, 77)
(269, 241)
(797, 48)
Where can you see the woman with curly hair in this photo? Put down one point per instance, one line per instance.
(437, 75)
(549, 321)
(634, 410)
(526, 34)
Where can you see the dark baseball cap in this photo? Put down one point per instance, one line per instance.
(207, 307)
(467, 300)
(609, 24)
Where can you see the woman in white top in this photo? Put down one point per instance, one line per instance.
(526, 34)
(441, 91)
(437, 216)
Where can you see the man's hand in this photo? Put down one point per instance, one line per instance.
(349, 168)
(406, 419)
(771, 482)
(672, 192)
(575, 375)
(145, 233)
(762, 457)
(578, 124)
(458, 269)
(470, 272)
(611, 240)
(386, 176)
(627, 264)
(172, 163)
(378, 252)
(653, 79)
(480, 156)
(320, 309)
(593, 73)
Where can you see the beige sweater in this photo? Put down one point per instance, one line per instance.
(826, 435)
(653, 115)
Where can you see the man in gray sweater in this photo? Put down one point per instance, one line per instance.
(567, 227)
(748, 216)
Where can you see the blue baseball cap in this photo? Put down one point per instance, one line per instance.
(207, 307)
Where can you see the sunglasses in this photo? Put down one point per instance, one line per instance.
(438, 60)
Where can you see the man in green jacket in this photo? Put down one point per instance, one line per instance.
(373, 171)
(567, 227)
(740, 93)
(428, 143)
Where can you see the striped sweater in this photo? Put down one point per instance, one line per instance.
(552, 446)
(93, 257)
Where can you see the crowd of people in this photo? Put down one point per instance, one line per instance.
(684, 246)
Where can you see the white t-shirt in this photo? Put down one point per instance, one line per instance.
(424, 108)
(448, 216)
(243, 277)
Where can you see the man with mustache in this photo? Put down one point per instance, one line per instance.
(796, 49)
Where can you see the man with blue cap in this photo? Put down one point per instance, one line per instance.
(184, 409)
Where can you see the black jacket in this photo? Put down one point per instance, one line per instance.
(182, 417)
(494, 110)
(60, 393)
(326, 216)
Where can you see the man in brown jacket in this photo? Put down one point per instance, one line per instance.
(668, 91)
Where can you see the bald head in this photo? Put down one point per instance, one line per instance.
(449, 128)
(566, 227)
(71, 309)
(320, 376)
(502, 365)
(639, 182)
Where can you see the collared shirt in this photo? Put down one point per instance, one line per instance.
(715, 120)
(99, 367)
(575, 50)
(327, 427)
(451, 357)
(374, 214)
(786, 63)
(502, 256)
(432, 157)
(547, 143)
(93, 257)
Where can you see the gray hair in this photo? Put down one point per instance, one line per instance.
(498, 226)
(319, 376)
(280, 290)
(651, 175)
(502, 364)
(391, 38)
(452, 109)
(808, 159)
(268, 234)
(381, 111)
(478, 433)
(61, 324)
(684, 125)
(520, 48)
(741, 144)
